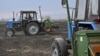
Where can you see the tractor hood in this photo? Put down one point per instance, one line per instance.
(10, 23)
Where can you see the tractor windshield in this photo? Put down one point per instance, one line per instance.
(86, 9)
(34, 16)
(24, 17)
(29, 16)
(94, 5)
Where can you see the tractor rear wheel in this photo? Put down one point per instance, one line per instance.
(9, 32)
(59, 48)
(32, 28)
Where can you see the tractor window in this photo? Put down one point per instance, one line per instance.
(32, 16)
(29, 16)
(35, 16)
(24, 16)
(81, 9)
(94, 7)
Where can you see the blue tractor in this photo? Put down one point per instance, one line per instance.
(83, 20)
(28, 23)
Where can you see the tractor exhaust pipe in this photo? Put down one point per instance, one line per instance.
(40, 13)
(13, 16)
(99, 8)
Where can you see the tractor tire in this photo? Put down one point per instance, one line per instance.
(32, 28)
(59, 48)
(9, 32)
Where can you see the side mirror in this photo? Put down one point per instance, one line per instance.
(63, 2)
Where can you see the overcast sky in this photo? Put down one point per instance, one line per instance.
(50, 8)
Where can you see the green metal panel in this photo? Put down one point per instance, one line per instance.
(82, 45)
(84, 40)
(47, 23)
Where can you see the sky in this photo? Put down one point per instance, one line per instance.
(52, 8)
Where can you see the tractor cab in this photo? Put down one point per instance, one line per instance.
(28, 15)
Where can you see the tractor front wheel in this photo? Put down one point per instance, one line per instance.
(9, 32)
(32, 28)
(59, 48)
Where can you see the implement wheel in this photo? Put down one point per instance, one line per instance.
(59, 48)
(48, 29)
(9, 32)
(32, 28)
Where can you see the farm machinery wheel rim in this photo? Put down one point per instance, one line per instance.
(9, 33)
(55, 52)
(33, 29)
(48, 29)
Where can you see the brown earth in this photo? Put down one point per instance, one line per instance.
(22, 45)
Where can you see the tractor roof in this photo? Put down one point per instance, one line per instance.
(28, 11)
